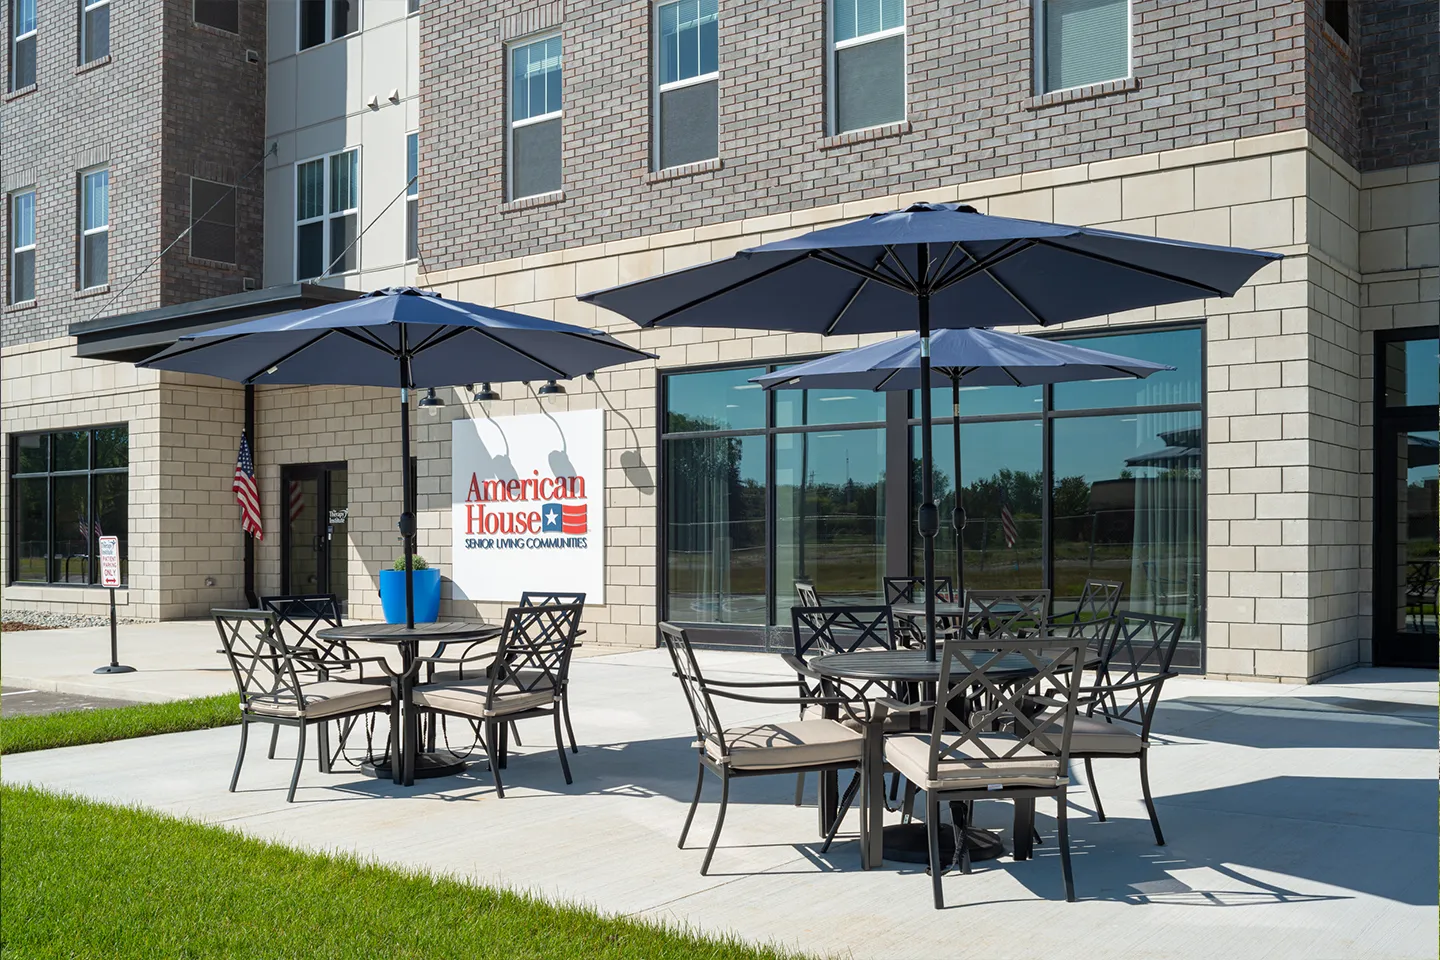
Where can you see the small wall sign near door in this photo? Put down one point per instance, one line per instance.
(528, 509)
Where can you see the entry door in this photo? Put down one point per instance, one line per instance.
(1407, 569)
(314, 545)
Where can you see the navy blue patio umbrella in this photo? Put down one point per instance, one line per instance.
(933, 266)
(397, 337)
(974, 357)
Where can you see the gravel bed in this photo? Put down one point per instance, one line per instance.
(42, 619)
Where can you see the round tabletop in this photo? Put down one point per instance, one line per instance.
(943, 608)
(908, 665)
(399, 633)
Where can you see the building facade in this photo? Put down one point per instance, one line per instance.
(565, 147)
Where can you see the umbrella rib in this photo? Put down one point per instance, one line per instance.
(195, 346)
(964, 271)
(275, 363)
(725, 289)
(830, 328)
(439, 336)
(1013, 295)
(367, 338)
(560, 374)
(859, 269)
(904, 271)
(940, 270)
(1160, 274)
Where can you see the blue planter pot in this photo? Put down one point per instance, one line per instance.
(427, 595)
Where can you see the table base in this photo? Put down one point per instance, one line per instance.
(908, 843)
(442, 763)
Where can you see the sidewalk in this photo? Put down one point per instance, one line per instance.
(174, 660)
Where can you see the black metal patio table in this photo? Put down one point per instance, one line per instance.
(413, 764)
(908, 842)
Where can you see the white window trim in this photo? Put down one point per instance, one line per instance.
(86, 6)
(327, 255)
(16, 40)
(508, 106)
(17, 249)
(658, 88)
(412, 197)
(832, 91)
(688, 82)
(329, 26)
(1038, 53)
(92, 231)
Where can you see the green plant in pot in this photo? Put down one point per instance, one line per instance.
(426, 587)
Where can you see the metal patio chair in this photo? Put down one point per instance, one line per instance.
(756, 749)
(821, 630)
(1119, 708)
(531, 598)
(1090, 620)
(1012, 614)
(904, 590)
(805, 594)
(991, 749)
(297, 618)
(268, 675)
(525, 676)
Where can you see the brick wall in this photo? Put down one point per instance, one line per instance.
(1332, 77)
(1400, 74)
(1203, 72)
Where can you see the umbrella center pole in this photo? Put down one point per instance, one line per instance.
(928, 516)
(407, 488)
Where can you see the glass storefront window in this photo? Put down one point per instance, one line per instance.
(70, 488)
(1412, 372)
(809, 408)
(714, 400)
(981, 401)
(1126, 495)
(715, 529)
(830, 515)
(1178, 348)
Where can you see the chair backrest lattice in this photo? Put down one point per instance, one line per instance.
(262, 664)
(1004, 688)
(1006, 614)
(692, 682)
(806, 593)
(1141, 647)
(907, 589)
(299, 617)
(537, 598)
(821, 630)
(535, 648)
(1090, 620)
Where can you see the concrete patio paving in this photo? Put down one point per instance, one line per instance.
(1301, 823)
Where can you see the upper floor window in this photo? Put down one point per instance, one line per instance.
(323, 20)
(220, 14)
(687, 72)
(212, 220)
(22, 43)
(22, 246)
(1337, 14)
(94, 228)
(412, 196)
(868, 65)
(94, 30)
(535, 117)
(1082, 42)
(327, 215)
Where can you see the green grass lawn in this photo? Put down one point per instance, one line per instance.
(84, 879)
(72, 727)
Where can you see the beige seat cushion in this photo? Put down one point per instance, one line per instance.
(1097, 735)
(910, 754)
(327, 698)
(467, 697)
(793, 743)
(894, 723)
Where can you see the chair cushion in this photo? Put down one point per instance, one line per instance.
(792, 743)
(910, 754)
(467, 698)
(1097, 735)
(327, 698)
(894, 723)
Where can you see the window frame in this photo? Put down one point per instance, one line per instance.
(80, 260)
(195, 19)
(832, 68)
(658, 89)
(15, 249)
(86, 8)
(326, 215)
(1039, 62)
(412, 198)
(511, 47)
(234, 227)
(16, 40)
(90, 472)
(329, 24)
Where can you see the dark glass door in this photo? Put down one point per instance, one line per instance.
(314, 546)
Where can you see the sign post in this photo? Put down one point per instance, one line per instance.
(110, 578)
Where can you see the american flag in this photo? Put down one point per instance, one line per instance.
(1007, 520)
(85, 529)
(246, 493)
(297, 500)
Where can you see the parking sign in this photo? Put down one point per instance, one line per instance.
(109, 561)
